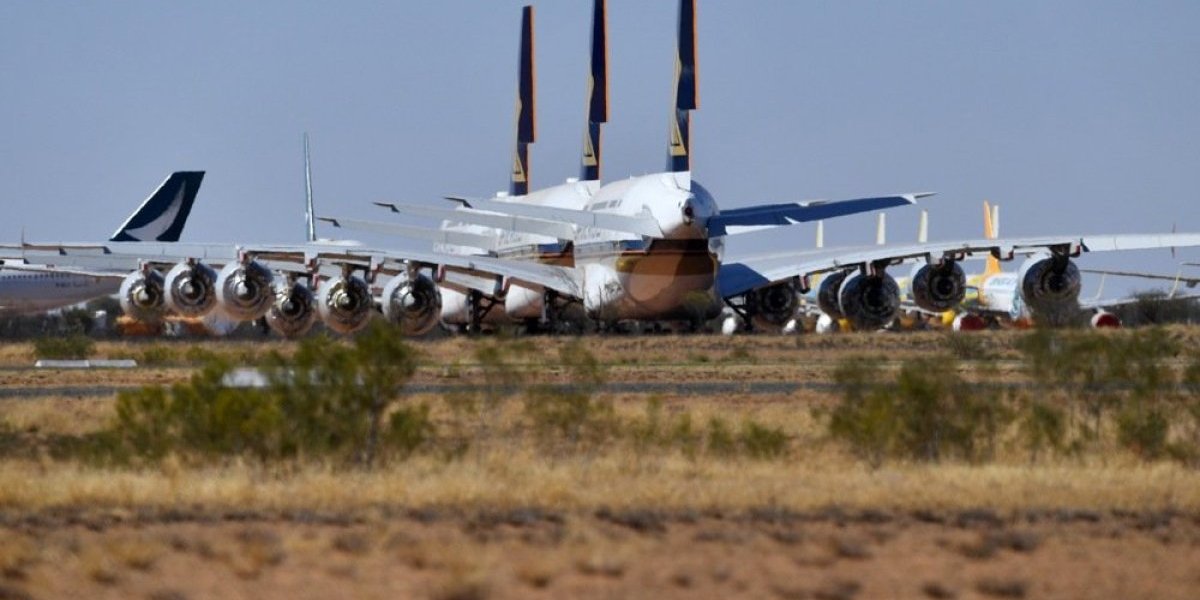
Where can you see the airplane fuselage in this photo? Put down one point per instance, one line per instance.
(32, 292)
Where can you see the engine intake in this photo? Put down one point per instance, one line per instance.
(141, 296)
(1050, 288)
(412, 303)
(939, 287)
(870, 301)
(827, 295)
(293, 312)
(191, 289)
(775, 306)
(344, 303)
(244, 291)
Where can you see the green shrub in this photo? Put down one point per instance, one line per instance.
(761, 441)
(156, 355)
(1043, 427)
(720, 438)
(572, 413)
(74, 346)
(328, 401)
(1143, 431)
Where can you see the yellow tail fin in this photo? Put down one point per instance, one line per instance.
(989, 232)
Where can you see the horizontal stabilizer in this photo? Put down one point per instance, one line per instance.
(639, 225)
(790, 214)
(486, 243)
(507, 222)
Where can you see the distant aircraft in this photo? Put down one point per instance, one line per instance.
(26, 288)
(852, 284)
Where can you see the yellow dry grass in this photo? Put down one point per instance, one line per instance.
(506, 480)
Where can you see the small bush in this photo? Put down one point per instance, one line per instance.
(572, 413)
(156, 355)
(720, 438)
(75, 346)
(761, 441)
(1144, 431)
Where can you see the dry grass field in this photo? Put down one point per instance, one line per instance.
(641, 513)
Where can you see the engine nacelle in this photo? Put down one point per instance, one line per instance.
(412, 303)
(1105, 320)
(344, 303)
(191, 289)
(1050, 287)
(869, 301)
(939, 287)
(141, 296)
(968, 322)
(293, 312)
(244, 291)
(827, 294)
(774, 306)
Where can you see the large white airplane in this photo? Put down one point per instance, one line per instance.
(26, 288)
(641, 248)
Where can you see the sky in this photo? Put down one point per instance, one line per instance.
(1073, 116)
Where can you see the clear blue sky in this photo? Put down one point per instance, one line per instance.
(1074, 116)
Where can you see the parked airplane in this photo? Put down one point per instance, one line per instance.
(26, 288)
(643, 248)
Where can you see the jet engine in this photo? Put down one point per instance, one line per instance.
(244, 291)
(775, 306)
(1104, 319)
(141, 295)
(827, 294)
(1050, 287)
(869, 301)
(293, 312)
(939, 287)
(412, 302)
(191, 289)
(344, 303)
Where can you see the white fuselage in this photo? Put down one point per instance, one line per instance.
(32, 292)
(623, 276)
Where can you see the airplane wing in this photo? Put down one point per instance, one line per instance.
(639, 225)
(738, 220)
(740, 275)
(69, 271)
(295, 258)
(1178, 278)
(508, 222)
(455, 238)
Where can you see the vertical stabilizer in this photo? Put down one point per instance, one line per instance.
(686, 96)
(991, 217)
(923, 228)
(309, 217)
(162, 216)
(526, 126)
(881, 230)
(820, 235)
(597, 93)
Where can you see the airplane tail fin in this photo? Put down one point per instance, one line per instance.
(686, 96)
(597, 93)
(526, 126)
(309, 216)
(923, 228)
(162, 216)
(881, 230)
(991, 230)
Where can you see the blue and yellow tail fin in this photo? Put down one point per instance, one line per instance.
(686, 95)
(526, 122)
(597, 93)
(991, 230)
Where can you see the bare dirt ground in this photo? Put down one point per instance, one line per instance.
(511, 523)
(532, 553)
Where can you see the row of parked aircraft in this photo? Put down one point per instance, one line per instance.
(646, 248)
